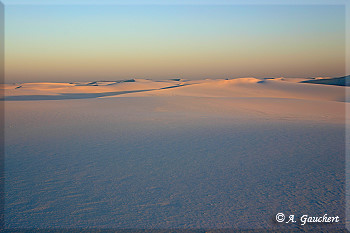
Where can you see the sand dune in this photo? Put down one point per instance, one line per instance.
(241, 87)
(248, 98)
(341, 81)
(80, 90)
(253, 87)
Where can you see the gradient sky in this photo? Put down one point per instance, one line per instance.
(108, 42)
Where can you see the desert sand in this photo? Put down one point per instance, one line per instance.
(288, 98)
(190, 154)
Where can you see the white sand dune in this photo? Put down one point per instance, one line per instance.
(253, 87)
(288, 88)
(282, 98)
(27, 90)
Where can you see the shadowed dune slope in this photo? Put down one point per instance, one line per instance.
(341, 81)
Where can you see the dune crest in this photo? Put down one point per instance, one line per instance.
(285, 88)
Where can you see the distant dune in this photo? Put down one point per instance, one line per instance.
(81, 90)
(241, 87)
(248, 98)
(341, 81)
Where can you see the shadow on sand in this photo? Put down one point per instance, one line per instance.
(65, 96)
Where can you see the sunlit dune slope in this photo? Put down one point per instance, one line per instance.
(253, 87)
(44, 88)
(240, 99)
(241, 87)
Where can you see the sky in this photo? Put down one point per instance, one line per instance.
(83, 42)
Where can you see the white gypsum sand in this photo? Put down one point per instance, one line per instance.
(173, 154)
